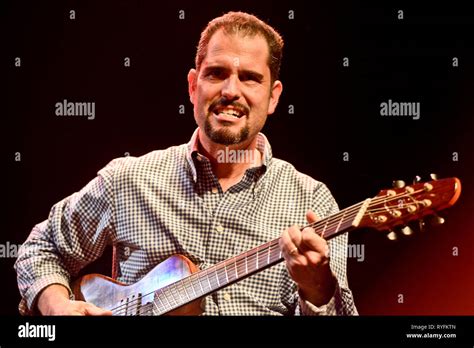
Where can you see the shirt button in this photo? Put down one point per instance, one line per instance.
(227, 296)
(214, 189)
(219, 228)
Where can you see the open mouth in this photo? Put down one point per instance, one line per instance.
(229, 111)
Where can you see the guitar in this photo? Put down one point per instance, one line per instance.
(176, 285)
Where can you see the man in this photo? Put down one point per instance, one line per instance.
(189, 200)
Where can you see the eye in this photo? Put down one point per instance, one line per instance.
(249, 77)
(215, 74)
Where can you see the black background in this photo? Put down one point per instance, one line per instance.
(337, 109)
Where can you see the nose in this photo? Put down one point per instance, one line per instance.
(230, 88)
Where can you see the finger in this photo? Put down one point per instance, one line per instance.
(294, 233)
(313, 242)
(287, 245)
(311, 216)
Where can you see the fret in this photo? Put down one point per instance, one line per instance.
(221, 274)
(217, 277)
(163, 295)
(246, 262)
(171, 289)
(269, 251)
(209, 280)
(200, 284)
(231, 276)
(193, 285)
(262, 259)
(273, 253)
(239, 266)
(176, 292)
(215, 282)
(226, 275)
(256, 267)
(185, 288)
(235, 267)
(158, 297)
(340, 222)
(253, 262)
(180, 291)
(325, 226)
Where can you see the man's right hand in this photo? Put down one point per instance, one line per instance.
(54, 300)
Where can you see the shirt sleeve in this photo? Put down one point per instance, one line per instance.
(342, 302)
(76, 232)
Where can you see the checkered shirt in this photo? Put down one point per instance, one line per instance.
(170, 202)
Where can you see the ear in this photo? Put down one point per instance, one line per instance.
(192, 79)
(277, 88)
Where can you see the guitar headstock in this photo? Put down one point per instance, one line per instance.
(396, 207)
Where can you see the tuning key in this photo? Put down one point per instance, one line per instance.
(436, 220)
(407, 231)
(392, 235)
(398, 183)
(417, 179)
(434, 176)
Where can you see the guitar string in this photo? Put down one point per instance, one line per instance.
(225, 263)
(346, 213)
(236, 260)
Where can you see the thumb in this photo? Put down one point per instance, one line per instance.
(94, 310)
(311, 216)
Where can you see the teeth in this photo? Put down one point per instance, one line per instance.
(231, 112)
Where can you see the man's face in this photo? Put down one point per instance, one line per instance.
(232, 92)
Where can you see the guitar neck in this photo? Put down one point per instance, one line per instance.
(246, 264)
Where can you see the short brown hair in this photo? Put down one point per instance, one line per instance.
(247, 25)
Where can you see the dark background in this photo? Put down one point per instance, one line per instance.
(337, 109)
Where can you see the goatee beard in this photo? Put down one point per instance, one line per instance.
(225, 136)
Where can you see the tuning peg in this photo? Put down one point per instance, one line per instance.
(417, 179)
(434, 176)
(398, 183)
(392, 235)
(407, 231)
(436, 220)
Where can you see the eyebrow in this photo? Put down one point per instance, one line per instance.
(251, 73)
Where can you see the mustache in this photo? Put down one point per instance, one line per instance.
(223, 102)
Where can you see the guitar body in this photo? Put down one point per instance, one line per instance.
(107, 293)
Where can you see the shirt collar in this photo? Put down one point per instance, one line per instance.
(263, 145)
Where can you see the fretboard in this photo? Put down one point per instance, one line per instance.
(224, 273)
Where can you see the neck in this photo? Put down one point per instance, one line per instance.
(230, 161)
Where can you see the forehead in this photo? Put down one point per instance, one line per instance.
(248, 51)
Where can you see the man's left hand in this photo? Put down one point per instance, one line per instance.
(307, 259)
